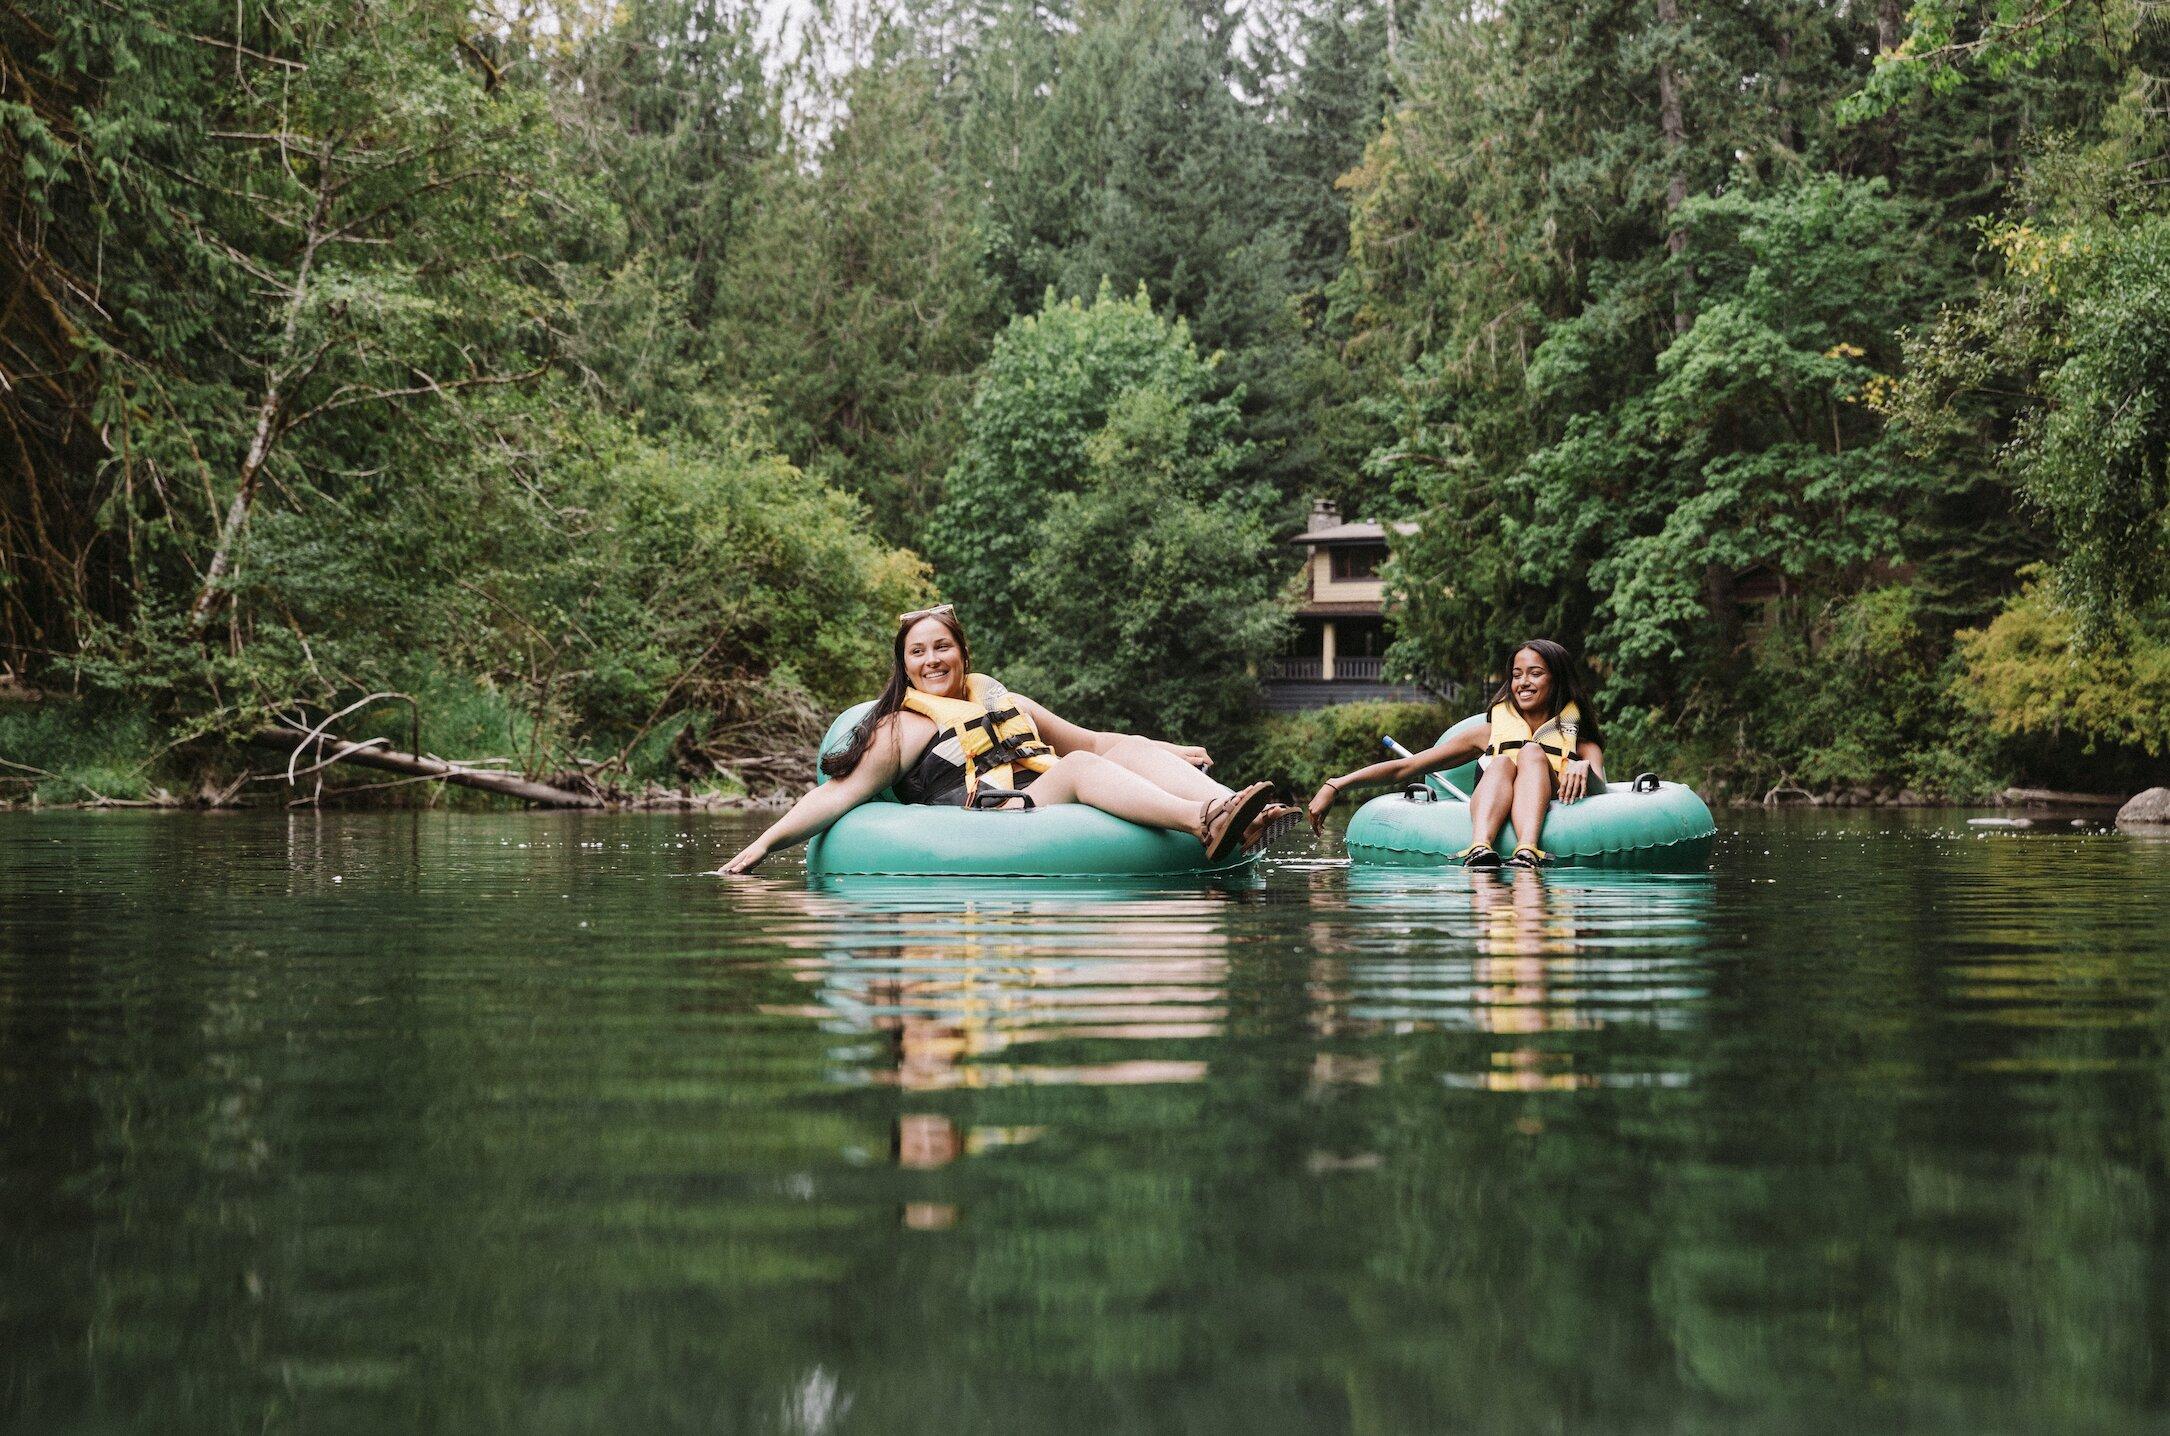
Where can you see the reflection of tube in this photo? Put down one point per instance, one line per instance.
(1433, 780)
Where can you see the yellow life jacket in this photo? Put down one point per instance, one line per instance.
(990, 728)
(1556, 735)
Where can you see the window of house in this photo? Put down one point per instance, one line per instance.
(1359, 562)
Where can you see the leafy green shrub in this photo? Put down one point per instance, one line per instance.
(1051, 384)
(2030, 676)
(1302, 750)
(1150, 602)
(75, 752)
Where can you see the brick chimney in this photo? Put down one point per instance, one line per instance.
(1325, 514)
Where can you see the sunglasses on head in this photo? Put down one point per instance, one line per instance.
(940, 610)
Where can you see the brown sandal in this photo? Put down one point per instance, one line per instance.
(1226, 820)
(1270, 826)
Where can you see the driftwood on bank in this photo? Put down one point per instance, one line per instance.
(374, 754)
(2054, 798)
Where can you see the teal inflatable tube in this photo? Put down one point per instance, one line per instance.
(887, 838)
(1665, 826)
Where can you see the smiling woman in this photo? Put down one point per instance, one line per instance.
(1538, 743)
(941, 735)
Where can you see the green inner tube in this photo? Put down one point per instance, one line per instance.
(1666, 826)
(1063, 840)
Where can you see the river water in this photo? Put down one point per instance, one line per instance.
(471, 1122)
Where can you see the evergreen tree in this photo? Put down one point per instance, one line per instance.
(856, 306)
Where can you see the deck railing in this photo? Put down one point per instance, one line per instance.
(1313, 670)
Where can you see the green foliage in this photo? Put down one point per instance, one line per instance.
(855, 304)
(1302, 750)
(339, 262)
(559, 370)
(1047, 389)
(64, 752)
(2052, 373)
(2032, 675)
(1950, 42)
(1149, 599)
(1114, 146)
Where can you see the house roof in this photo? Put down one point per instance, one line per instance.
(1361, 532)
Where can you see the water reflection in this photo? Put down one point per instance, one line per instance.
(1528, 959)
(1864, 1131)
(967, 987)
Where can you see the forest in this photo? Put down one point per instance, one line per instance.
(578, 389)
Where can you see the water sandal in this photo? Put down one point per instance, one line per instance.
(1478, 855)
(1270, 826)
(1531, 858)
(1228, 819)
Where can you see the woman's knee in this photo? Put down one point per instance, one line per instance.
(1076, 765)
(1129, 745)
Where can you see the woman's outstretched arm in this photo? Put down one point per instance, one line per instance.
(1457, 749)
(824, 804)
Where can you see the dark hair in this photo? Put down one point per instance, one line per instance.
(1567, 685)
(846, 758)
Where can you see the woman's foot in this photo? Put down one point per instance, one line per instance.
(1529, 857)
(1222, 822)
(1478, 855)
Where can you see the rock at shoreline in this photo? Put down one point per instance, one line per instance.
(2149, 809)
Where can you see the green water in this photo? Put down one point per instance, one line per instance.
(471, 1123)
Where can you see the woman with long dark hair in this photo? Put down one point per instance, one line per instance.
(942, 734)
(1539, 742)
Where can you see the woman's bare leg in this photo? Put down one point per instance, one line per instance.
(1102, 783)
(1488, 805)
(1532, 793)
(1163, 769)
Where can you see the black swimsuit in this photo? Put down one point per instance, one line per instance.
(936, 781)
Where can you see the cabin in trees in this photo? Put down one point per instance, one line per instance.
(1338, 652)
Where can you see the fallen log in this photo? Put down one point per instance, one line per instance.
(415, 765)
(2052, 798)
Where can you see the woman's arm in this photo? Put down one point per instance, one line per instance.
(824, 804)
(1575, 772)
(1458, 749)
(1066, 737)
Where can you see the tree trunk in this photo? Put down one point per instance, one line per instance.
(267, 423)
(1890, 25)
(237, 512)
(1673, 128)
(1788, 137)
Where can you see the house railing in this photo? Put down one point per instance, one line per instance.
(1313, 670)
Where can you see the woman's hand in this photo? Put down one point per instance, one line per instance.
(1574, 779)
(749, 858)
(1322, 803)
(1197, 757)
